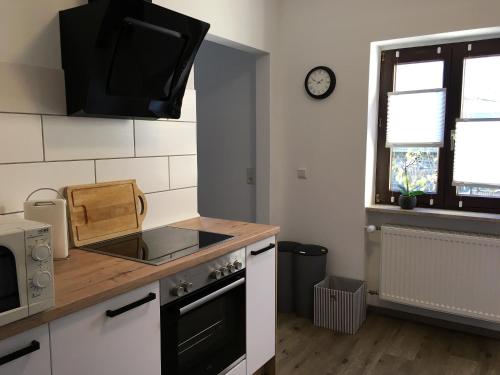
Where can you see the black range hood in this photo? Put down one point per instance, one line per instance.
(127, 58)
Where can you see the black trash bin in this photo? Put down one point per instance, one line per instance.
(309, 268)
(286, 251)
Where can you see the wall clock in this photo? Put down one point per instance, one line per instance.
(320, 82)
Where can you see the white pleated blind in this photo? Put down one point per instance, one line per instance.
(477, 153)
(416, 118)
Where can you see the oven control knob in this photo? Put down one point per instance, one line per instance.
(188, 287)
(216, 275)
(230, 267)
(178, 291)
(42, 279)
(224, 271)
(41, 253)
(238, 265)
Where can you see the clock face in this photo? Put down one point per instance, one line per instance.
(320, 82)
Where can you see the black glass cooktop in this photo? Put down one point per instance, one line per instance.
(159, 245)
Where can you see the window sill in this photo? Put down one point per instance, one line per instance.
(432, 212)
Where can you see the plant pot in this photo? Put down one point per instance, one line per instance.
(407, 203)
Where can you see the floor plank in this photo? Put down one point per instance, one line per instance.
(382, 346)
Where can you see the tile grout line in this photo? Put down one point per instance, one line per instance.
(133, 137)
(151, 192)
(166, 191)
(43, 138)
(90, 159)
(98, 118)
(11, 213)
(169, 175)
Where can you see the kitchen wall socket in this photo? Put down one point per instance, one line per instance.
(251, 176)
(302, 173)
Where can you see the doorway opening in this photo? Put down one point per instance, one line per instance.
(226, 82)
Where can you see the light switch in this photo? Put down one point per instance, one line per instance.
(302, 173)
(251, 176)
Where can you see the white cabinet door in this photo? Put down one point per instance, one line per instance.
(27, 353)
(261, 303)
(89, 342)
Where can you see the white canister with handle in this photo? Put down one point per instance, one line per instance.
(53, 212)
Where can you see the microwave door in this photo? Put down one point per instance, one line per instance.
(13, 281)
(9, 289)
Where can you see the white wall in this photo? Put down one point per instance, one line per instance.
(328, 137)
(249, 23)
(225, 85)
(47, 149)
(33, 82)
(252, 26)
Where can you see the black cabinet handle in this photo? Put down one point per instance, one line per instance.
(257, 252)
(33, 347)
(112, 313)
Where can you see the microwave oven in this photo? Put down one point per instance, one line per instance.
(26, 270)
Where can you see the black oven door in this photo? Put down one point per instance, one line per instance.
(9, 291)
(203, 333)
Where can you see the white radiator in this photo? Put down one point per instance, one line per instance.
(452, 272)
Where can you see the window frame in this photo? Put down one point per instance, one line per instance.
(453, 55)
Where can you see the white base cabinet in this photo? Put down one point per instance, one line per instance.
(36, 362)
(122, 336)
(89, 342)
(261, 303)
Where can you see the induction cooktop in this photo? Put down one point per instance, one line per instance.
(159, 245)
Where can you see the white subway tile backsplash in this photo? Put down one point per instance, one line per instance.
(19, 180)
(152, 174)
(170, 206)
(160, 138)
(183, 171)
(21, 138)
(73, 138)
(55, 151)
(10, 218)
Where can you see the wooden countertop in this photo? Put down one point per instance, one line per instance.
(86, 278)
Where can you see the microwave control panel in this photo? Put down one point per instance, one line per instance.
(40, 269)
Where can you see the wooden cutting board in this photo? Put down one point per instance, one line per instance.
(99, 212)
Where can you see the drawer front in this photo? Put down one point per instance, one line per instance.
(261, 303)
(27, 353)
(117, 337)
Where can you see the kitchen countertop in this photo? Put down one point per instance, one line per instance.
(86, 278)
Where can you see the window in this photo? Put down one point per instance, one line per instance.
(439, 118)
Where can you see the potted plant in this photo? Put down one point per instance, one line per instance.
(408, 197)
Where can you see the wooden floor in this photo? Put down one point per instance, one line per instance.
(383, 346)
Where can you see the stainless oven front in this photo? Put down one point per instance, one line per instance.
(204, 329)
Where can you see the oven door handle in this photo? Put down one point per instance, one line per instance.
(184, 310)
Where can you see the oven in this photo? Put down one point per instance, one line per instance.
(203, 330)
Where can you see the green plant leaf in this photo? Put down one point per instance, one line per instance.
(416, 193)
(402, 189)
